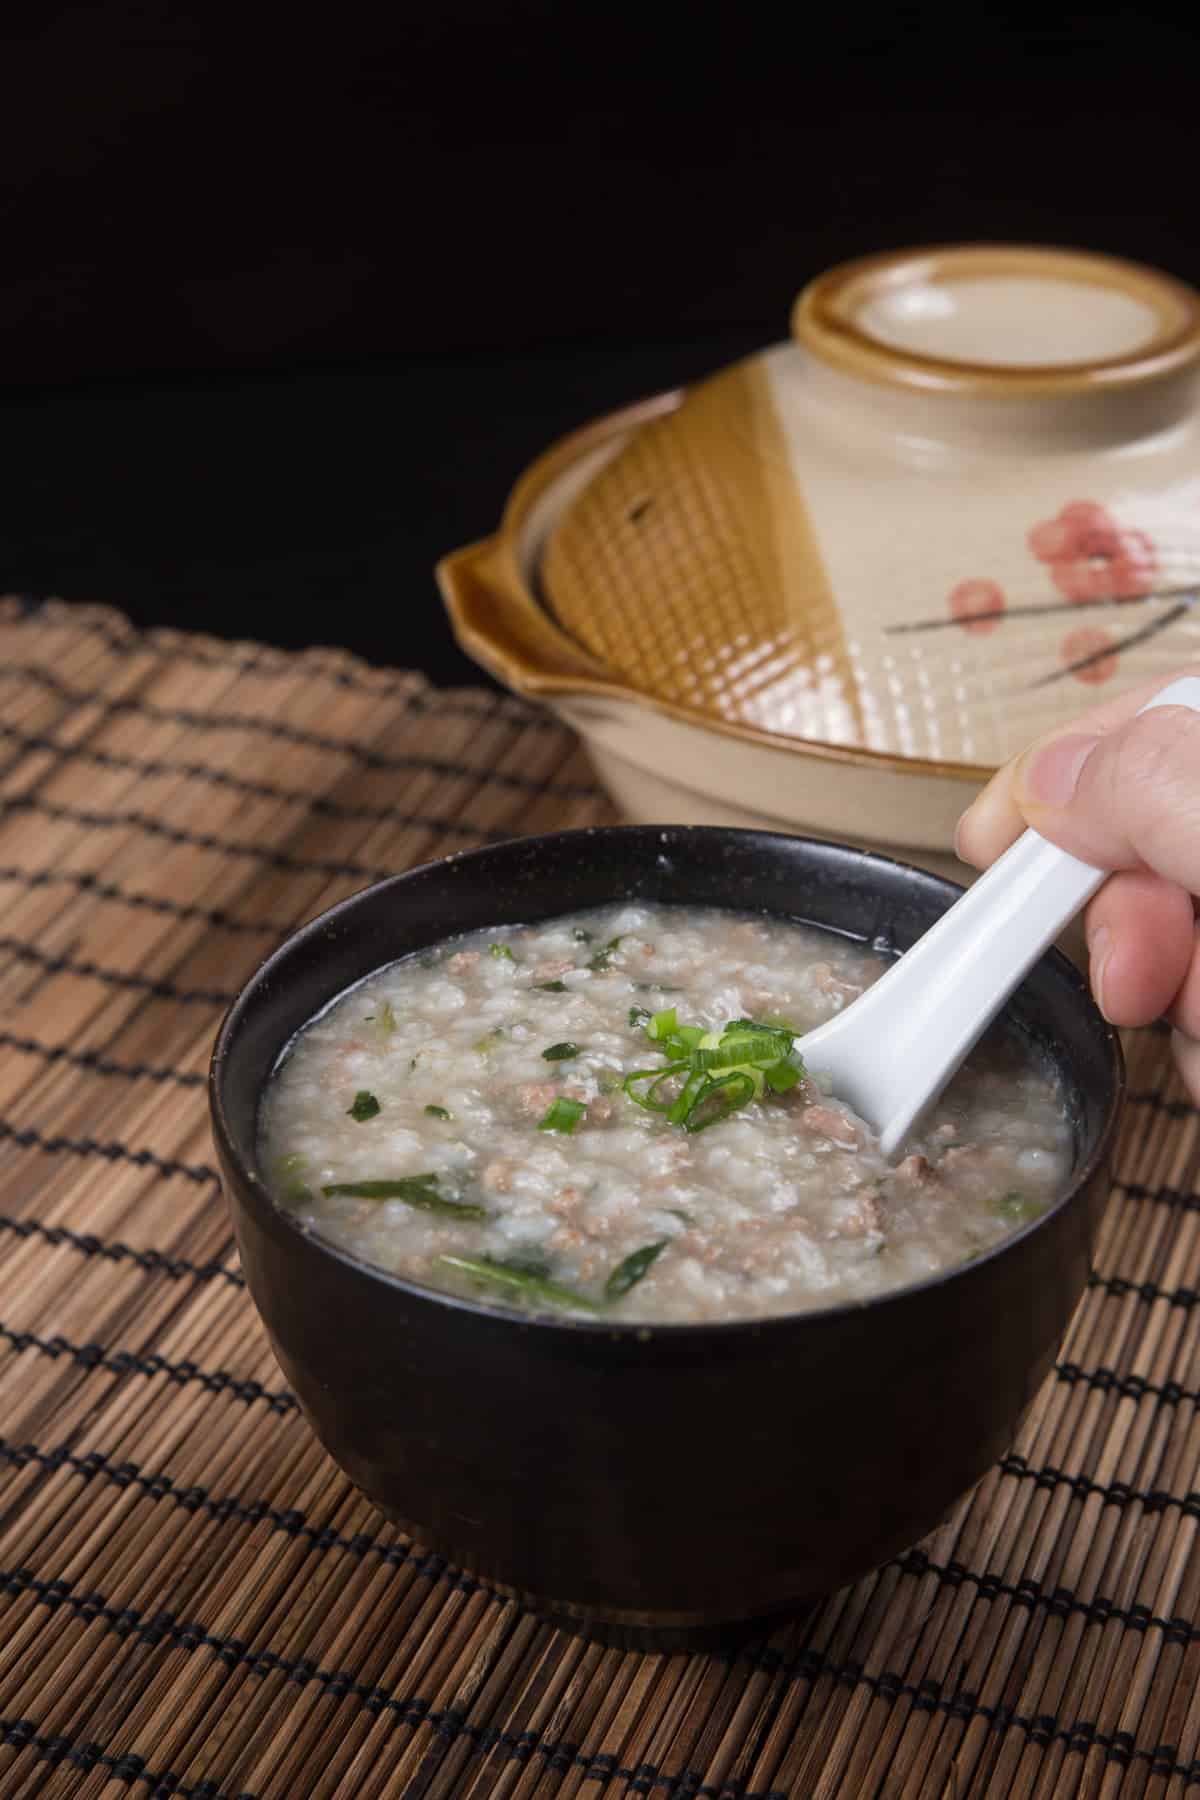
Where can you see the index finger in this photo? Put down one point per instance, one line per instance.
(994, 820)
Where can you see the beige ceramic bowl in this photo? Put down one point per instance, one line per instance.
(830, 588)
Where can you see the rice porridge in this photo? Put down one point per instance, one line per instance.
(608, 1115)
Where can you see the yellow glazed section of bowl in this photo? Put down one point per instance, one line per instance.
(689, 567)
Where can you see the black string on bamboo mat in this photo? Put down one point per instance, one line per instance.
(151, 1262)
(135, 820)
(27, 1137)
(343, 671)
(94, 1062)
(1170, 1109)
(164, 1628)
(152, 985)
(292, 1521)
(153, 768)
(280, 730)
(128, 1362)
(563, 1756)
(1149, 1291)
(82, 881)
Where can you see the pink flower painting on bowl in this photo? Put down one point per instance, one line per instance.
(1091, 557)
(1094, 561)
(1089, 655)
(978, 606)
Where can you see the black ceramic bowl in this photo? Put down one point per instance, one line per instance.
(670, 1476)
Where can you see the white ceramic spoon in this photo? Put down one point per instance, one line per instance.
(893, 1050)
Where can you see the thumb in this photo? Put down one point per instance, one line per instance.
(1124, 798)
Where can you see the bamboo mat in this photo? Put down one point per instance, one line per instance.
(196, 1603)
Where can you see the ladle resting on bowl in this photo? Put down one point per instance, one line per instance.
(892, 1051)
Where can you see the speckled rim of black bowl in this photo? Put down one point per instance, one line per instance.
(247, 1165)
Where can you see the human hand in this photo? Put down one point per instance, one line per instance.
(1121, 792)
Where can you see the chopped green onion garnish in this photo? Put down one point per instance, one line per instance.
(730, 1093)
(677, 1212)
(560, 1052)
(603, 957)
(690, 1094)
(365, 1106)
(522, 1262)
(501, 952)
(438, 1112)
(1015, 1205)
(710, 1074)
(638, 1015)
(384, 1017)
(627, 1274)
(290, 1172)
(419, 1191)
(562, 1115)
(649, 1099)
(487, 1043)
(519, 1280)
(551, 987)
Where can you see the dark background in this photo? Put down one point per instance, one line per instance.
(286, 305)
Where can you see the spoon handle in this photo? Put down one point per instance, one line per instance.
(915, 1026)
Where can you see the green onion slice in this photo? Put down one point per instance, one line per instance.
(1017, 1206)
(365, 1107)
(730, 1093)
(627, 1274)
(601, 960)
(716, 1072)
(384, 1017)
(562, 1115)
(655, 1077)
(290, 1172)
(560, 1052)
(419, 1191)
(515, 1279)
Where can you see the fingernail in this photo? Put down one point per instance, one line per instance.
(1099, 954)
(1052, 773)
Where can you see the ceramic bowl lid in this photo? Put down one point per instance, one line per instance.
(962, 498)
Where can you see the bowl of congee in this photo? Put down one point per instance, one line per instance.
(585, 1276)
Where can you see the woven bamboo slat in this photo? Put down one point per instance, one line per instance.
(196, 1602)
